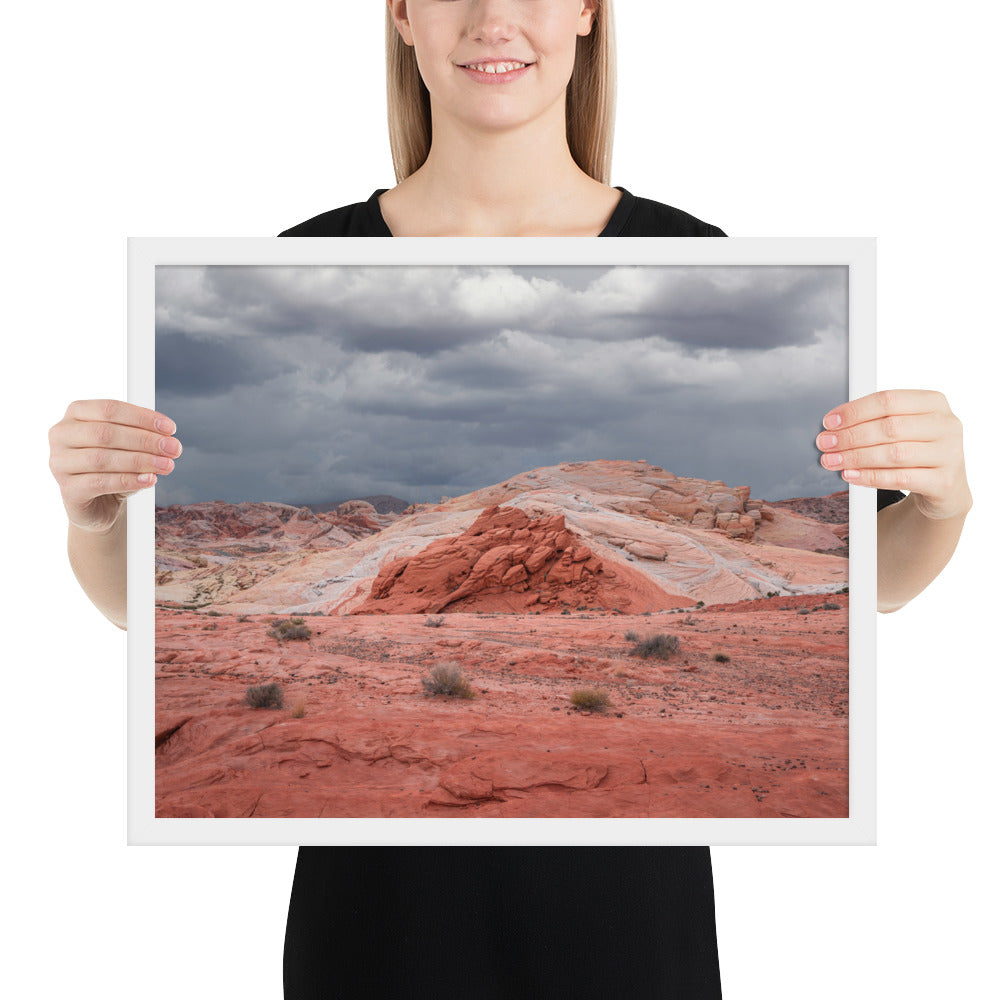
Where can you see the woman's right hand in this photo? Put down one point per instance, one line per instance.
(104, 450)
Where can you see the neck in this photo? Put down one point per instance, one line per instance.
(498, 182)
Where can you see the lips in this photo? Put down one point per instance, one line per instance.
(495, 67)
(495, 70)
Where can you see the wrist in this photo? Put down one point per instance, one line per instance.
(100, 527)
(953, 507)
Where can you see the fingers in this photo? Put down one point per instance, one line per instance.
(900, 439)
(917, 441)
(115, 411)
(76, 461)
(105, 446)
(898, 455)
(885, 430)
(94, 434)
(887, 403)
(80, 490)
(908, 479)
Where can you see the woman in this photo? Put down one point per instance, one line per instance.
(501, 119)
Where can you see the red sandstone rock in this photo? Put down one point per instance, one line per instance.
(539, 578)
(763, 734)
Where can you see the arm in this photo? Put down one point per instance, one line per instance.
(98, 562)
(906, 439)
(100, 453)
(912, 550)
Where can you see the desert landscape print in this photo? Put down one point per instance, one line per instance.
(501, 542)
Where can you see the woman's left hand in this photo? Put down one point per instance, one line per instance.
(901, 439)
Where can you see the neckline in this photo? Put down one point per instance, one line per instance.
(613, 228)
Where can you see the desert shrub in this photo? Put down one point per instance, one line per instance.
(700, 604)
(200, 561)
(803, 611)
(214, 613)
(661, 646)
(631, 636)
(434, 621)
(289, 628)
(829, 606)
(590, 700)
(720, 657)
(565, 611)
(299, 708)
(447, 679)
(265, 696)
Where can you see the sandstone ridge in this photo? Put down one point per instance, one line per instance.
(612, 535)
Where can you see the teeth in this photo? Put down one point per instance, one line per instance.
(496, 67)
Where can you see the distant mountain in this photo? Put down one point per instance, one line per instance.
(384, 503)
(832, 509)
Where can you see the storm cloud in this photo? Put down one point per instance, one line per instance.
(320, 383)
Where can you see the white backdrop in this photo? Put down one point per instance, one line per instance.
(220, 118)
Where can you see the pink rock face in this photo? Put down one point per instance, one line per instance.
(661, 541)
(529, 588)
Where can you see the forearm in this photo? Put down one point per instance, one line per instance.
(98, 560)
(912, 550)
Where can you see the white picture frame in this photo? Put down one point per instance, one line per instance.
(857, 256)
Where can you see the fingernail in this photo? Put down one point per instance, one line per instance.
(165, 426)
(163, 464)
(169, 446)
(832, 461)
(832, 421)
(147, 478)
(828, 440)
(851, 474)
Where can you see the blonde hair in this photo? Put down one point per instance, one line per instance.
(590, 100)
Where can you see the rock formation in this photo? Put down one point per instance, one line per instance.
(610, 535)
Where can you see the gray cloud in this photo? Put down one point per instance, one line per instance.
(319, 383)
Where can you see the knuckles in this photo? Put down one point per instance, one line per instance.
(899, 454)
(890, 428)
(886, 400)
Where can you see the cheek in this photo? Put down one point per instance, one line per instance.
(559, 37)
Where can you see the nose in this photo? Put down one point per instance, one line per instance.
(491, 21)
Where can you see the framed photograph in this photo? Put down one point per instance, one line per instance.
(501, 541)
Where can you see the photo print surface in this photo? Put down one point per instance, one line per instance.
(501, 541)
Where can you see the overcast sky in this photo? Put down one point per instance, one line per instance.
(314, 384)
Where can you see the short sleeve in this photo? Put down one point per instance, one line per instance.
(888, 497)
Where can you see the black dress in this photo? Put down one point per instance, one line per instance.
(504, 923)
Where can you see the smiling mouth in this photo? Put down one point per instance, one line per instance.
(495, 68)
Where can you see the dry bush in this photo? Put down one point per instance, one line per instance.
(299, 708)
(434, 621)
(590, 700)
(289, 628)
(661, 646)
(265, 696)
(447, 679)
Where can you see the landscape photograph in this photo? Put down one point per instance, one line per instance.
(501, 541)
